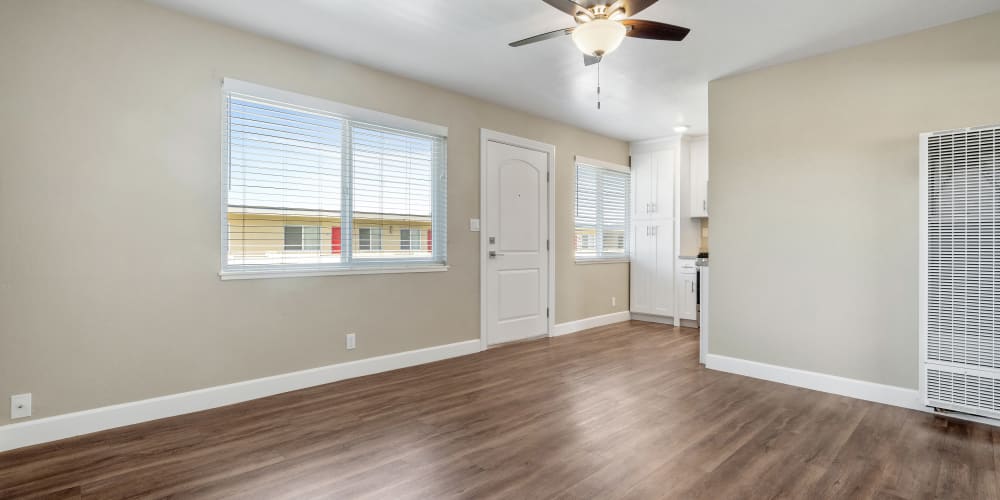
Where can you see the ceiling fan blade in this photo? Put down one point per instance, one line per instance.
(653, 30)
(632, 7)
(570, 7)
(543, 36)
(589, 59)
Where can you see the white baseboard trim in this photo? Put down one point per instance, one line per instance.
(85, 422)
(653, 318)
(858, 389)
(587, 323)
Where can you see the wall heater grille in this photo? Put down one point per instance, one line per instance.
(961, 277)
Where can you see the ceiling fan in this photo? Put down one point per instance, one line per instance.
(601, 26)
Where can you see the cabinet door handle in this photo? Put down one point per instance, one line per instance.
(704, 205)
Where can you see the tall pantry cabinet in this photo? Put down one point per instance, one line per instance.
(662, 228)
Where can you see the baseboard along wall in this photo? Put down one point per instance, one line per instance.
(588, 323)
(108, 417)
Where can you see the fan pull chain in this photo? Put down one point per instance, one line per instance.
(598, 84)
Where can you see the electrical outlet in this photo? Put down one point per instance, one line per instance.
(352, 340)
(614, 301)
(20, 405)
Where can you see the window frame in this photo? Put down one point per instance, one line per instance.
(351, 115)
(599, 257)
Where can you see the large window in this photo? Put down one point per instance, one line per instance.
(602, 201)
(315, 187)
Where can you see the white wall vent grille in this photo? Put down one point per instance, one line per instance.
(960, 279)
(965, 391)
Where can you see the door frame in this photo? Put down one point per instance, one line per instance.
(485, 136)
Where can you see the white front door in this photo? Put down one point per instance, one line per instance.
(516, 226)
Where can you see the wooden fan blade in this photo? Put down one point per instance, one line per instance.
(632, 7)
(543, 36)
(590, 60)
(653, 30)
(570, 7)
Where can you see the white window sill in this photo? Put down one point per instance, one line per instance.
(596, 260)
(252, 275)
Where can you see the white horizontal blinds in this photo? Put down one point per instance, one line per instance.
(614, 203)
(963, 273)
(397, 193)
(602, 201)
(587, 201)
(284, 184)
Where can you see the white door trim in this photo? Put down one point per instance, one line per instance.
(486, 135)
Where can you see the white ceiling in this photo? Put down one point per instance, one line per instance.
(647, 86)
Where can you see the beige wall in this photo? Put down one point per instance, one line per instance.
(814, 197)
(110, 199)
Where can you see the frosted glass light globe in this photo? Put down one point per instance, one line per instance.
(599, 37)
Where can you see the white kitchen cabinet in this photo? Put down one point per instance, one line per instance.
(652, 273)
(699, 176)
(642, 265)
(653, 184)
(687, 295)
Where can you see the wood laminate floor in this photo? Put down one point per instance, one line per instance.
(623, 411)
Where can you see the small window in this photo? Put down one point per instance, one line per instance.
(413, 240)
(293, 237)
(370, 239)
(601, 214)
(307, 238)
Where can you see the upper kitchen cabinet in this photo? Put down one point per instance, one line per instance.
(699, 176)
(653, 176)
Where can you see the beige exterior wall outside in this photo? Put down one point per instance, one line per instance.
(814, 191)
(265, 234)
(110, 185)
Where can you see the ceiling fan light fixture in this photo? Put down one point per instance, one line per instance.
(599, 37)
(618, 15)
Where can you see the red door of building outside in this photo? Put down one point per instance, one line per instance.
(335, 240)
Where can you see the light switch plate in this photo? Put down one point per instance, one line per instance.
(20, 405)
(474, 225)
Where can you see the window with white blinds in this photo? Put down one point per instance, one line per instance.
(601, 214)
(315, 187)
